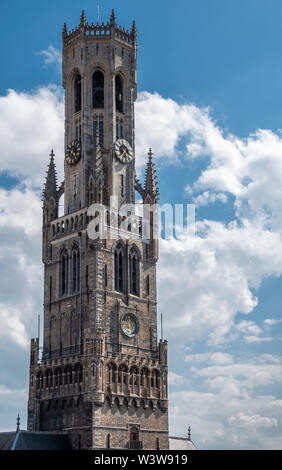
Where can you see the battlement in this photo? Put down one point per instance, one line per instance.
(93, 31)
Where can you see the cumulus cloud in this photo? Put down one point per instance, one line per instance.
(204, 281)
(224, 405)
(31, 124)
(20, 264)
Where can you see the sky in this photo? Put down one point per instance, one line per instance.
(209, 104)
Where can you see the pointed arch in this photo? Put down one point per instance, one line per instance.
(119, 268)
(75, 269)
(134, 271)
(98, 83)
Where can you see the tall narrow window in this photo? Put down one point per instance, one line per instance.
(105, 276)
(50, 293)
(75, 270)
(64, 271)
(119, 94)
(91, 192)
(121, 185)
(148, 285)
(119, 270)
(77, 93)
(134, 273)
(98, 90)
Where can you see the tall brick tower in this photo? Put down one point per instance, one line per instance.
(102, 376)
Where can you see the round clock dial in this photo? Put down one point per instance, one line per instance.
(73, 152)
(129, 325)
(123, 151)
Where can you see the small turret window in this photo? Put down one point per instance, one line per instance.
(119, 94)
(77, 93)
(98, 90)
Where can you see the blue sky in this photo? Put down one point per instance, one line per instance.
(212, 70)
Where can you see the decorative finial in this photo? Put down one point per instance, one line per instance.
(52, 155)
(18, 422)
(113, 18)
(82, 19)
(151, 185)
(65, 30)
(189, 433)
(133, 30)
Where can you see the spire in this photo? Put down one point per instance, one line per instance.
(189, 433)
(50, 188)
(65, 30)
(18, 423)
(82, 19)
(151, 186)
(133, 30)
(113, 18)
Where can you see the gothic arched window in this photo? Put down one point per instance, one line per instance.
(119, 94)
(98, 89)
(77, 93)
(134, 272)
(119, 269)
(75, 270)
(64, 273)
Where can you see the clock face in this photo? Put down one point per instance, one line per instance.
(123, 151)
(129, 325)
(73, 152)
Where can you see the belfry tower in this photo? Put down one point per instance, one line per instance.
(102, 377)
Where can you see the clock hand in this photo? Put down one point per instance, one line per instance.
(124, 152)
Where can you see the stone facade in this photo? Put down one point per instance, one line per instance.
(102, 376)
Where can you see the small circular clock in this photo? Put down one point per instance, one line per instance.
(123, 151)
(129, 325)
(73, 152)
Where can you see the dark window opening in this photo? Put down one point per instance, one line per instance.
(134, 274)
(98, 90)
(148, 285)
(119, 94)
(119, 269)
(77, 93)
(64, 274)
(75, 271)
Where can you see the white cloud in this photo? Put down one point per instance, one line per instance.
(52, 56)
(20, 263)
(210, 358)
(31, 124)
(208, 197)
(255, 420)
(272, 321)
(225, 406)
